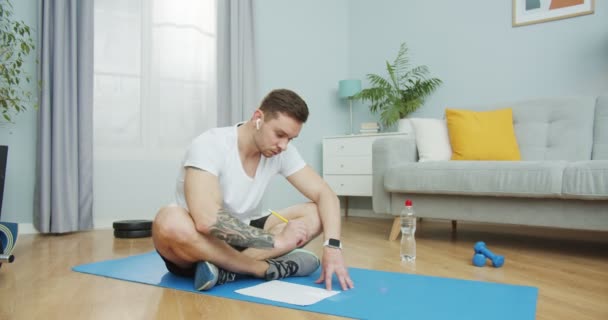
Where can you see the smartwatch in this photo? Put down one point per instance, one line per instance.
(333, 243)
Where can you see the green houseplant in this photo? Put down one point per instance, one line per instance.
(402, 92)
(16, 44)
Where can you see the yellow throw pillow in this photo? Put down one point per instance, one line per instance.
(485, 135)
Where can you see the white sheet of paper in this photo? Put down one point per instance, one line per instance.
(292, 293)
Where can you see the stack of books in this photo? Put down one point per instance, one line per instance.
(369, 127)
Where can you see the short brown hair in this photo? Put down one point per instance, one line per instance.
(284, 101)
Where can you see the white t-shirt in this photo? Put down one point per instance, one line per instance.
(216, 151)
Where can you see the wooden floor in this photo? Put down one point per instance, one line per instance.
(570, 268)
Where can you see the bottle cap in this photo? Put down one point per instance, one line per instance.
(408, 203)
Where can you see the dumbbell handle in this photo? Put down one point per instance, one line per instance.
(480, 247)
(497, 260)
(486, 252)
(7, 258)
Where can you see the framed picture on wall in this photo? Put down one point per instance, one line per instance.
(536, 11)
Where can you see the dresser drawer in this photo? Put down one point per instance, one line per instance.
(350, 185)
(347, 165)
(359, 146)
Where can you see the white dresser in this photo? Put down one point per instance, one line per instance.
(347, 163)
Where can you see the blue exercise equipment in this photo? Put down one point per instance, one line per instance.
(480, 248)
(479, 260)
(377, 294)
(8, 239)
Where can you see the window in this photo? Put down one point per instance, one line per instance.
(155, 75)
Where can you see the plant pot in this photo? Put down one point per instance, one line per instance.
(405, 126)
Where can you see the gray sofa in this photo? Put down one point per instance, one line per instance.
(562, 180)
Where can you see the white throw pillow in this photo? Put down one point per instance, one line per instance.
(432, 139)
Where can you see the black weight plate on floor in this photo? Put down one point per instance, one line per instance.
(132, 225)
(132, 233)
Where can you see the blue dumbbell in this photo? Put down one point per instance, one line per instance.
(497, 260)
(479, 260)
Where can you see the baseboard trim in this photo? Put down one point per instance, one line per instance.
(104, 223)
(364, 213)
(27, 228)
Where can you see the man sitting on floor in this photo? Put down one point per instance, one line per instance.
(215, 230)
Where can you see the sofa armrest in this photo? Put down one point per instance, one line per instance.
(386, 153)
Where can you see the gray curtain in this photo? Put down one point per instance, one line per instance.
(236, 64)
(64, 165)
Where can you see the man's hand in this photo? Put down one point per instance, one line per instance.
(333, 262)
(294, 235)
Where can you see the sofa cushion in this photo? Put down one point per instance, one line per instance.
(555, 129)
(482, 135)
(558, 128)
(586, 180)
(432, 140)
(600, 130)
(495, 178)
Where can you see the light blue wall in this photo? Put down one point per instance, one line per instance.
(21, 138)
(309, 45)
(128, 188)
(303, 46)
(481, 58)
(470, 45)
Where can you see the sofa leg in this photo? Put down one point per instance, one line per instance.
(454, 224)
(395, 229)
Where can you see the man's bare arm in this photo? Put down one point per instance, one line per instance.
(236, 232)
(204, 199)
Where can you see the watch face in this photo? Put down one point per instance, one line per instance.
(334, 242)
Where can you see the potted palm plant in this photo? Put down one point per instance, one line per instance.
(402, 92)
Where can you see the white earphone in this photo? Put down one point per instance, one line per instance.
(257, 124)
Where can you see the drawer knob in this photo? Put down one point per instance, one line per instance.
(341, 166)
(341, 184)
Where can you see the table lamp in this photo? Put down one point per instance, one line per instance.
(347, 89)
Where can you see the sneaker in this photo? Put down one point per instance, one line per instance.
(207, 276)
(297, 263)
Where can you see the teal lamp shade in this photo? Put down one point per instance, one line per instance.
(349, 88)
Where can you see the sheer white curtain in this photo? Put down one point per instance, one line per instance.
(154, 72)
(155, 90)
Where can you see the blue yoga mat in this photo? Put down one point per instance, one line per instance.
(377, 294)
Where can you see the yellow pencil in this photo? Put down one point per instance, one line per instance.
(278, 216)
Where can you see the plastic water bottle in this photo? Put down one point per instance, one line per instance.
(408, 229)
